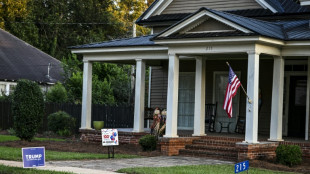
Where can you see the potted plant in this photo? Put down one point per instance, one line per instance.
(98, 125)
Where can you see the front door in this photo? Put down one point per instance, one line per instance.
(297, 106)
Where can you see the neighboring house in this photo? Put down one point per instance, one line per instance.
(267, 43)
(19, 60)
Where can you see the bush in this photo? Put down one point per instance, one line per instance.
(148, 142)
(61, 123)
(27, 109)
(57, 94)
(289, 155)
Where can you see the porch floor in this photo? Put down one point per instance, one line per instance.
(188, 133)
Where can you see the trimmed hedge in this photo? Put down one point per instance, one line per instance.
(27, 109)
(289, 155)
(148, 142)
(61, 123)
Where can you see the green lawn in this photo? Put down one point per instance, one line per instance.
(15, 154)
(4, 138)
(197, 169)
(18, 170)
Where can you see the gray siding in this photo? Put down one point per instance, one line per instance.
(185, 6)
(160, 83)
(211, 25)
(159, 29)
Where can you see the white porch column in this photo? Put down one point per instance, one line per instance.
(252, 90)
(277, 100)
(86, 97)
(199, 115)
(138, 125)
(307, 102)
(7, 89)
(172, 96)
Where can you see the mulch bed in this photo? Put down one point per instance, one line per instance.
(75, 145)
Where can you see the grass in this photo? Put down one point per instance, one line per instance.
(15, 154)
(18, 170)
(197, 169)
(4, 138)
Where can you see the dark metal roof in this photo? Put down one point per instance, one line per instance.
(19, 60)
(296, 30)
(136, 41)
(205, 35)
(257, 26)
(147, 10)
(165, 17)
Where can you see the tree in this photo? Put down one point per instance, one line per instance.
(57, 94)
(127, 11)
(27, 109)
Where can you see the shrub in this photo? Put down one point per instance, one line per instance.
(27, 109)
(148, 142)
(11, 131)
(57, 94)
(289, 155)
(61, 123)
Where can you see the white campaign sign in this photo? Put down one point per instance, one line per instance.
(109, 137)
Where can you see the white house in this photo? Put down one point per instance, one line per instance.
(267, 43)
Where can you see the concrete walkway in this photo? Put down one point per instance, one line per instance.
(109, 166)
(116, 164)
(58, 168)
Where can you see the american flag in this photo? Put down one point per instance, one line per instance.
(231, 91)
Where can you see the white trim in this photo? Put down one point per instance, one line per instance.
(222, 39)
(198, 16)
(158, 8)
(265, 5)
(150, 85)
(304, 3)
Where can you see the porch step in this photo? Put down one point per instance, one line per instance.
(233, 139)
(211, 142)
(210, 153)
(211, 148)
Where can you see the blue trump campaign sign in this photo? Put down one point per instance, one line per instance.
(242, 166)
(33, 157)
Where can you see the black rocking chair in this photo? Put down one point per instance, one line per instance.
(210, 117)
(240, 126)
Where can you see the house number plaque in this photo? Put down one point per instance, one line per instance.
(209, 48)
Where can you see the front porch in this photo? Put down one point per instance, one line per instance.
(215, 145)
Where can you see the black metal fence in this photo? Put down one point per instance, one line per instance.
(113, 116)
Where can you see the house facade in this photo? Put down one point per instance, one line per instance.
(266, 42)
(19, 60)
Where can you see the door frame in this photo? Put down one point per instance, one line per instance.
(287, 76)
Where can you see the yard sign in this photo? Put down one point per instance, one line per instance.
(109, 137)
(243, 166)
(33, 157)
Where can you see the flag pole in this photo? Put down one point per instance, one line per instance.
(249, 100)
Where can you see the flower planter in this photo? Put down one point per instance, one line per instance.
(98, 125)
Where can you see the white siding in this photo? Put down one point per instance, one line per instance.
(185, 6)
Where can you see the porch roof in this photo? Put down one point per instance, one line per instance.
(126, 42)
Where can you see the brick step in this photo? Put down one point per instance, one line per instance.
(214, 142)
(209, 154)
(213, 148)
(233, 139)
